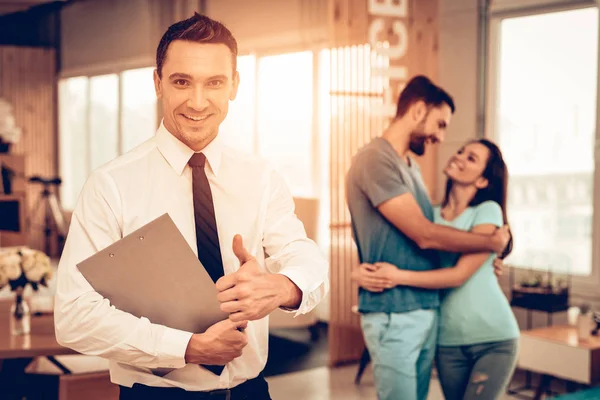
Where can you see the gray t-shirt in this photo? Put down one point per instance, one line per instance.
(378, 174)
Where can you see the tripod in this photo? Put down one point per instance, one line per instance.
(53, 215)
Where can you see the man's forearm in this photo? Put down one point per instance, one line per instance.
(441, 237)
(110, 333)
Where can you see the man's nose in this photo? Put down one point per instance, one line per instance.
(198, 99)
(440, 136)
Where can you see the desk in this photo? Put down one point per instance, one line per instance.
(557, 352)
(40, 342)
(16, 352)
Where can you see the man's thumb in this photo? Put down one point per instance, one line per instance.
(240, 251)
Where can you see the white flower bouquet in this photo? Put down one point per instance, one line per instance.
(21, 266)
(9, 132)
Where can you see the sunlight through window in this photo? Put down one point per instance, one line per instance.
(546, 126)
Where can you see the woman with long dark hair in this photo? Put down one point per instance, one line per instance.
(478, 333)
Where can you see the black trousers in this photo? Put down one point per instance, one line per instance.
(253, 389)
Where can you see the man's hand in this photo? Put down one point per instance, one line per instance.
(500, 239)
(250, 293)
(368, 277)
(220, 344)
(498, 267)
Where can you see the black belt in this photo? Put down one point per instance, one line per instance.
(242, 391)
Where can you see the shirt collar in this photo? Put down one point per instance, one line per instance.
(178, 154)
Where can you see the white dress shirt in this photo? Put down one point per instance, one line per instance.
(250, 198)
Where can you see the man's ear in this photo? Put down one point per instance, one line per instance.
(234, 86)
(157, 84)
(418, 110)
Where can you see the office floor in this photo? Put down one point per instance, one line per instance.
(333, 384)
(325, 383)
(297, 370)
(338, 384)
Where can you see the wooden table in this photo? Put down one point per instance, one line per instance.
(557, 352)
(16, 352)
(40, 342)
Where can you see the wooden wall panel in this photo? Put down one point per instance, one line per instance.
(348, 22)
(354, 100)
(28, 82)
(423, 59)
(360, 99)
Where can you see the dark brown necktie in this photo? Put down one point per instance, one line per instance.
(207, 237)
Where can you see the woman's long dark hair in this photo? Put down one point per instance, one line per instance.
(496, 174)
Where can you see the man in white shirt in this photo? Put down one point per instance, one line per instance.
(180, 171)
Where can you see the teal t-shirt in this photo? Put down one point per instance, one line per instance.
(378, 174)
(477, 311)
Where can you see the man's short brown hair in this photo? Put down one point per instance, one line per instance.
(199, 29)
(421, 88)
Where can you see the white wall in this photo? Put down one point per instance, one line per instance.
(102, 36)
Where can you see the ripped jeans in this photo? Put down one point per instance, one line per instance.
(480, 371)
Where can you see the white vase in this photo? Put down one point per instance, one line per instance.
(20, 315)
(573, 315)
(584, 326)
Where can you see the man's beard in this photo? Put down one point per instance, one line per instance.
(417, 143)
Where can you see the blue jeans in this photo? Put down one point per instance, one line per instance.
(402, 347)
(480, 371)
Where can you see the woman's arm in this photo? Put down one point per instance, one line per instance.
(443, 277)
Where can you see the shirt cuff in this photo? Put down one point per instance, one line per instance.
(173, 344)
(298, 278)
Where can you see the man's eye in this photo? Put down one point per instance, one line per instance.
(180, 82)
(215, 84)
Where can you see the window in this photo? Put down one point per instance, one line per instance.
(285, 113)
(138, 119)
(238, 129)
(279, 114)
(273, 116)
(74, 141)
(544, 117)
(101, 117)
(104, 119)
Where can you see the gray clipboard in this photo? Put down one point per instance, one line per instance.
(154, 273)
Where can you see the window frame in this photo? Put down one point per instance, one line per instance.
(583, 286)
(88, 112)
